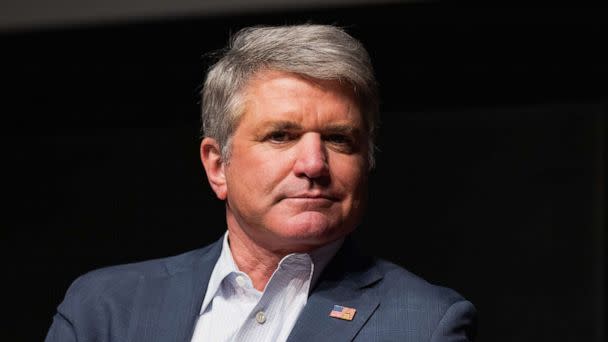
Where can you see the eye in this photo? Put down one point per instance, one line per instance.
(279, 136)
(341, 142)
(339, 139)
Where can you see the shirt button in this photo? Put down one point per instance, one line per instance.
(241, 281)
(260, 317)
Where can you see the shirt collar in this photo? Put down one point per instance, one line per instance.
(225, 265)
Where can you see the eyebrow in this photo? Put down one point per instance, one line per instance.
(284, 125)
(333, 128)
(343, 129)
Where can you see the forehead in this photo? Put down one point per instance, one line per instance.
(276, 95)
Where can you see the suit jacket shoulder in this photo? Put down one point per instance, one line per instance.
(391, 303)
(436, 312)
(399, 282)
(136, 302)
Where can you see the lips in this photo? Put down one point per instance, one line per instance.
(308, 203)
(310, 196)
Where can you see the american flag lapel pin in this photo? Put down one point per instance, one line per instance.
(343, 312)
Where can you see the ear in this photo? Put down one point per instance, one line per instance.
(211, 156)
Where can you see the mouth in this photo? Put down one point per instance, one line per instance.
(312, 196)
(309, 203)
(314, 199)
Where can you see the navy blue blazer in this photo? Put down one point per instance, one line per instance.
(159, 300)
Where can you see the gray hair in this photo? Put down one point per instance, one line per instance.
(318, 51)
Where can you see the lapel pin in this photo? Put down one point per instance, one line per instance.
(343, 312)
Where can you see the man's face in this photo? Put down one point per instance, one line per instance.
(297, 173)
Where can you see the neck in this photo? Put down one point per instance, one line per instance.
(259, 263)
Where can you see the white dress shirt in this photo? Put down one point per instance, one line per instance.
(233, 310)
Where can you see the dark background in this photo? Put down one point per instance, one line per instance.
(490, 176)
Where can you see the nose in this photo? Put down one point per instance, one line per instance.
(311, 159)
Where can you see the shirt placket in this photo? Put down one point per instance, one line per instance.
(263, 322)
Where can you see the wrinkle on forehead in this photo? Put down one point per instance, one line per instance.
(289, 103)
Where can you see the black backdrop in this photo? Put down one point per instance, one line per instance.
(490, 177)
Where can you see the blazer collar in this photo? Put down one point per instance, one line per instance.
(168, 306)
(348, 282)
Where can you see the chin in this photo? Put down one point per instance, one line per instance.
(312, 228)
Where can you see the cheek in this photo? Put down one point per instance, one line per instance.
(358, 188)
(254, 174)
(352, 179)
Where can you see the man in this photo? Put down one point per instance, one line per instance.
(289, 117)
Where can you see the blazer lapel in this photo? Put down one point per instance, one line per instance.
(347, 282)
(167, 307)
